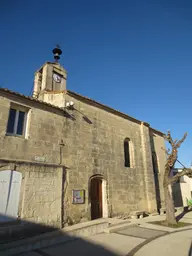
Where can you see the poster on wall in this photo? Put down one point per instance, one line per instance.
(78, 196)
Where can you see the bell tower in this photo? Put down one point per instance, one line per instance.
(50, 81)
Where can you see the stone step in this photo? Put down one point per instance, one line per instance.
(119, 223)
(117, 227)
(61, 236)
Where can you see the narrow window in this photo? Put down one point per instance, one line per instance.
(127, 152)
(16, 122)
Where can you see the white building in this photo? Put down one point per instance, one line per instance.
(182, 190)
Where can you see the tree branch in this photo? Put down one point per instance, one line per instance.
(175, 141)
(169, 138)
(172, 157)
(186, 171)
(181, 141)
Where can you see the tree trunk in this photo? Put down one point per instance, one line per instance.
(170, 209)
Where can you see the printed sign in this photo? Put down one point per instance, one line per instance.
(78, 196)
(40, 158)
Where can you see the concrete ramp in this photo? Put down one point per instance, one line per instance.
(52, 238)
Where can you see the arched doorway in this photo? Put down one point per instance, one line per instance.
(98, 197)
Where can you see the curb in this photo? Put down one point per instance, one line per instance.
(147, 241)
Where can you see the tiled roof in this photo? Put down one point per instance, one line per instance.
(29, 98)
(83, 98)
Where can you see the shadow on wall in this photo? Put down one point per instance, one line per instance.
(84, 117)
(190, 250)
(43, 240)
(156, 173)
(181, 215)
(156, 180)
(177, 195)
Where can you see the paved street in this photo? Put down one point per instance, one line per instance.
(127, 243)
(140, 238)
(176, 244)
(102, 244)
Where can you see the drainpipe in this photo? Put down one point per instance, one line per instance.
(61, 144)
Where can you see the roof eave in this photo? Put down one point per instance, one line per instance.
(111, 110)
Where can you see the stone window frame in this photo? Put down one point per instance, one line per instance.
(18, 108)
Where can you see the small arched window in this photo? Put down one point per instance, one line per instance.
(127, 152)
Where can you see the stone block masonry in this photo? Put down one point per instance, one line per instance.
(41, 192)
(93, 146)
(96, 148)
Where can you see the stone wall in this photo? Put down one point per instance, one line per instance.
(41, 190)
(158, 146)
(44, 132)
(93, 145)
(41, 193)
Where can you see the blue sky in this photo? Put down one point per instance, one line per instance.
(135, 56)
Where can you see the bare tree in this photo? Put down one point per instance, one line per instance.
(170, 179)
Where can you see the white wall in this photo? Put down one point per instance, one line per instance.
(182, 189)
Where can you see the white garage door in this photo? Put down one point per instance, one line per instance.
(10, 183)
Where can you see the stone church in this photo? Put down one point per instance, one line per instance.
(65, 158)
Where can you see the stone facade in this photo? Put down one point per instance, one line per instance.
(77, 144)
(41, 188)
(158, 150)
